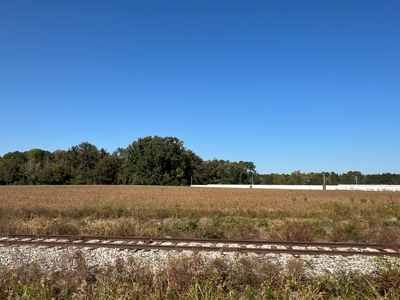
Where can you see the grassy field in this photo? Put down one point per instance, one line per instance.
(199, 212)
(360, 216)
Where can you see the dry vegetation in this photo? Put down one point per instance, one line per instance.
(213, 213)
(193, 277)
(360, 216)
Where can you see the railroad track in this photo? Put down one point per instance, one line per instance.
(197, 244)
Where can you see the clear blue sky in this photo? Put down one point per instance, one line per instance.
(289, 85)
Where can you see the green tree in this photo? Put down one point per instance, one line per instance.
(352, 177)
(35, 160)
(82, 161)
(156, 160)
(12, 168)
(296, 178)
(278, 178)
(45, 176)
(190, 163)
(107, 170)
(125, 167)
(225, 172)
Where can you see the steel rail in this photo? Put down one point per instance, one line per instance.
(201, 248)
(395, 247)
(224, 248)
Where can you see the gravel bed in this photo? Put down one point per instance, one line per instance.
(50, 258)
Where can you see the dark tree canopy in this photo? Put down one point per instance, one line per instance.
(153, 161)
(157, 160)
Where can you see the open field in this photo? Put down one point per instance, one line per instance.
(360, 216)
(297, 215)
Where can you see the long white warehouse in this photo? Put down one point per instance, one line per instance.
(343, 187)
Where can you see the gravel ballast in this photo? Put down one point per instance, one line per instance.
(50, 258)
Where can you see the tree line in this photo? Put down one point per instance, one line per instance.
(153, 161)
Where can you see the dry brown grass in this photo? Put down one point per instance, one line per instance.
(193, 277)
(219, 213)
